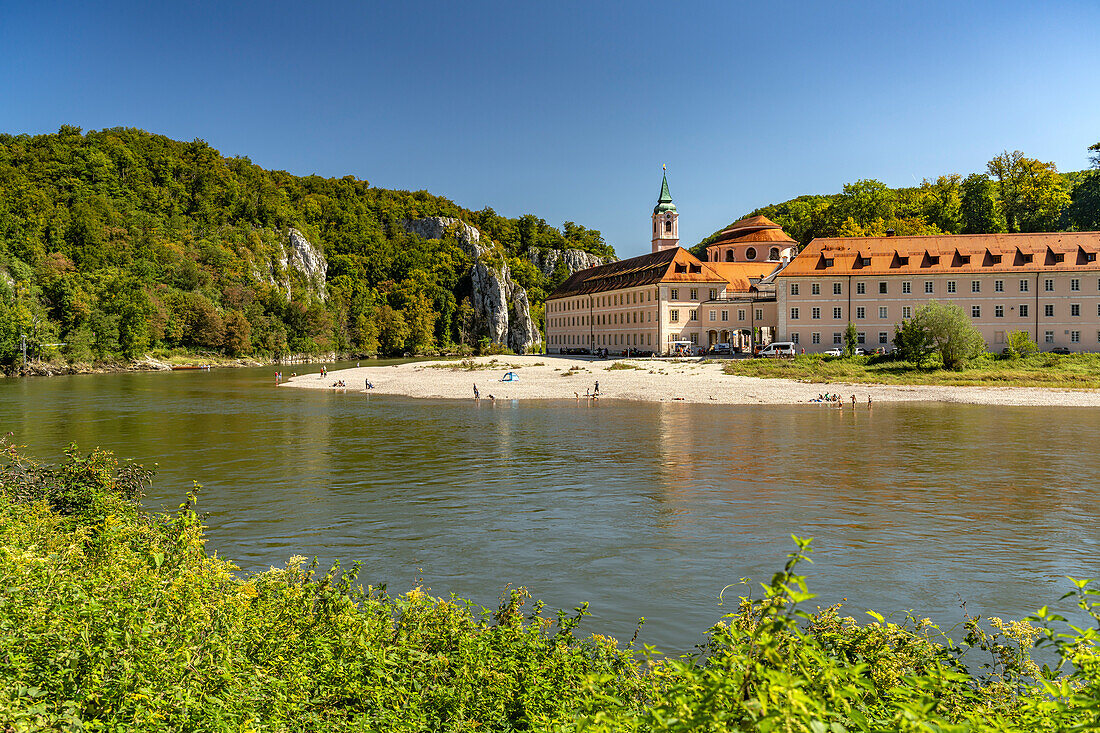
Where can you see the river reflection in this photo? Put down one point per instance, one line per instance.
(641, 509)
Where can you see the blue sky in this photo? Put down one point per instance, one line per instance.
(567, 110)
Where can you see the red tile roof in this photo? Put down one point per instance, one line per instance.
(671, 265)
(948, 253)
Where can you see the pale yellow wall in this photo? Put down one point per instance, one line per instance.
(1061, 324)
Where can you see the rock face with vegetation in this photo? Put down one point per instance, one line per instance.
(118, 243)
(501, 311)
(572, 260)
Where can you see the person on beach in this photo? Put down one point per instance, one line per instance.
(868, 402)
(597, 393)
(853, 400)
(369, 385)
(477, 394)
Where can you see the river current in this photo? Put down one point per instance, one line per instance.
(641, 509)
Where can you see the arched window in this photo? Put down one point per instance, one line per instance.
(654, 226)
(668, 226)
(750, 253)
(729, 255)
(774, 254)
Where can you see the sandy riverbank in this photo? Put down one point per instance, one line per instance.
(556, 377)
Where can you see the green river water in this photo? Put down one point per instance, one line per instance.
(640, 509)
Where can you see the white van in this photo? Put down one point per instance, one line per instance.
(778, 348)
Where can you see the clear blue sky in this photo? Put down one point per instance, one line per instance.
(567, 110)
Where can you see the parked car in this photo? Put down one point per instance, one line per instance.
(835, 351)
(860, 351)
(721, 349)
(1060, 350)
(778, 348)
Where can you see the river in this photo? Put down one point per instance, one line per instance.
(640, 509)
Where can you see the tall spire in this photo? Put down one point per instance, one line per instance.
(664, 202)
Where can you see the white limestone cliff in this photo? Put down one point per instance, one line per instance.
(575, 260)
(501, 308)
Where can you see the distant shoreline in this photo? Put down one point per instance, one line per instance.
(551, 377)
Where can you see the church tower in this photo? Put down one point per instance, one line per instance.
(666, 227)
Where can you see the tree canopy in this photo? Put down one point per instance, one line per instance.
(118, 241)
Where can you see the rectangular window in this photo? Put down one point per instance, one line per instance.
(928, 287)
(1048, 286)
(714, 294)
(951, 286)
(836, 312)
(882, 310)
(794, 338)
(694, 338)
(815, 313)
(882, 288)
(674, 294)
(1024, 285)
(1075, 337)
(725, 315)
(836, 288)
(740, 314)
(906, 287)
(693, 315)
(1075, 284)
(862, 338)
(759, 314)
(694, 294)
(1048, 337)
(906, 312)
(975, 311)
(1048, 310)
(998, 337)
(838, 338)
(860, 311)
(815, 288)
(712, 316)
(998, 286)
(794, 288)
(998, 311)
(1075, 310)
(883, 337)
(794, 314)
(674, 316)
(861, 289)
(975, 286)
(815, 338)
(1023, 310)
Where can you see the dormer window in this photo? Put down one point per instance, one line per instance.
(774, 254)
(865, 261)
(750, 253)
(828, 261)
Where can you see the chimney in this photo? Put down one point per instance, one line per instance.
(889, 232)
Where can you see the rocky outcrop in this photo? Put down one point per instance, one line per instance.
(438, 227)
(295, 255)
(575, 260)
(501, 309)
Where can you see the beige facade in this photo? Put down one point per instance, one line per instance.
(1046, 285)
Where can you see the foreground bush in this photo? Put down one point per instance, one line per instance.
(117, 619)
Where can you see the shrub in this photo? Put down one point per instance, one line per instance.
(1020, 344)
(951, 331)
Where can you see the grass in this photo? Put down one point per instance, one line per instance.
(622, 365)
(469, 365)
(1071, 371)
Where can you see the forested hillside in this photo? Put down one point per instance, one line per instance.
(1014, 194)
(117, 242)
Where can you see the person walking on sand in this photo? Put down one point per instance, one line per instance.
(597, 392)
(477, 394)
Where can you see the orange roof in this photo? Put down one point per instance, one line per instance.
(948, 253)
(752, 229)
(740, 274)
(670, 265)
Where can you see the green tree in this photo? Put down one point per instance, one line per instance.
(238, 333)
(1020, 344)
(420, 318)
(1032, 193)
(978, 206)
(867, 200)
(943, 202)
(851, 339)
(393, 330)
(1084, 210)
(913, 342)
(951, 331)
